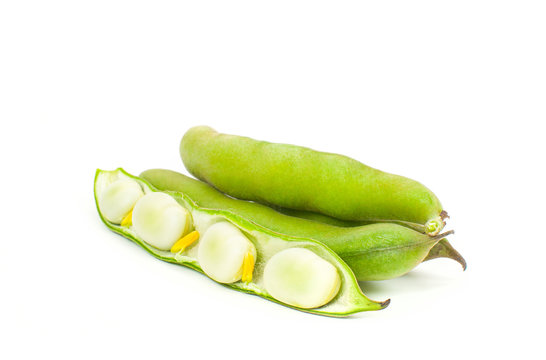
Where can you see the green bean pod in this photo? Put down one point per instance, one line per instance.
(374, 252)
(300, 178)
(288, 270)
(344, 223)
(442, 249)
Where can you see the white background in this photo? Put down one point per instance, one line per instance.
(449, 93)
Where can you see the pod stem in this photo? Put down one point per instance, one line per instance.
(443, 235)
(385, 303)
(444, 215)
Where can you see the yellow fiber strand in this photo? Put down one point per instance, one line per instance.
(184, 242)
(128, 219)
(248, 267)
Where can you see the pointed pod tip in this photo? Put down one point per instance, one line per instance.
(454, 255)
(458, 258)
(385, 303)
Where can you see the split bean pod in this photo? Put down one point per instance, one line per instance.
(229, 247)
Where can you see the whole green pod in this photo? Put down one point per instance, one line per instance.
(442, 249)
(374, 252)
(304, 179)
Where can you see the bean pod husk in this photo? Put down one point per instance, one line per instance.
(374, 252)
(348, 300)
(300, 178)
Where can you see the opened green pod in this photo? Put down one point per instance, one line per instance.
(230, 248)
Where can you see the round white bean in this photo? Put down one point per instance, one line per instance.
(222, 249)
(299, 277)
(159, 220)
(119, 198)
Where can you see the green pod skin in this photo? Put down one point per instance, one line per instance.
(344, 223)
(300, 178)
(321, 217)
(442, 249)
(349, 298)
(374, 252)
